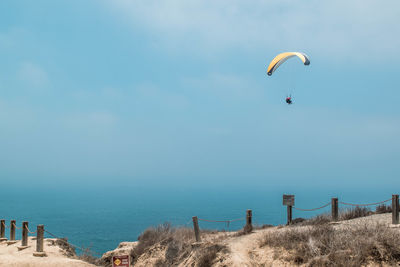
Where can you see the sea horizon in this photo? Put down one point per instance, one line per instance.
(100, 217)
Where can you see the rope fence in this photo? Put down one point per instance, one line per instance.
(39, 238)
(228, 222)
(326, 205)
(248, 226)
(288, 200)
(32, 233)
(85, 250)
(364, 205)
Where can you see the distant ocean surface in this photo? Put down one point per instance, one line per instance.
(101, 218)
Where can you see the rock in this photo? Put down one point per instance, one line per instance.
(124, 248)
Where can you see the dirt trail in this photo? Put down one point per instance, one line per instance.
(245, 251)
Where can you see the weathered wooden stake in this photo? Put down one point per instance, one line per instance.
(395, 209)
(39, 242)
(289, 215)
(196, 228)
(3, 230)
(12, 233)
(335, 209)
(249, 226)
(249, 216)
(24, 234)
(24, 242)
(12, 230)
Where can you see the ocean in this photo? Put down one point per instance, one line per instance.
(100, 218)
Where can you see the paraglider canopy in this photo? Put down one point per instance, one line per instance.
(282, 57)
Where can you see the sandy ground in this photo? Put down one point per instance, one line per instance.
(244, 250)
(11, 257)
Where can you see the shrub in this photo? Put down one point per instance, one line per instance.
(176, 240)
(317, 220)
(87, 254)
(206, 256)
(356, 212)
(383, 209)
(298, 220)
(324, 245)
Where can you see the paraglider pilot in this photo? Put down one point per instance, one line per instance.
(289, 100)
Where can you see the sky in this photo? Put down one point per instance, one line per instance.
(176, 92)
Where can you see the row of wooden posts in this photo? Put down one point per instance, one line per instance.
(24, 240)
(334, 213)
(335, 209)
(248, 226)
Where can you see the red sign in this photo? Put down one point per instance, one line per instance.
(121, 261)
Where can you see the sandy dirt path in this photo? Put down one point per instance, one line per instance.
(245, 251)
(10, 256)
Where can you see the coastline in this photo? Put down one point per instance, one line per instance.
(231, 248)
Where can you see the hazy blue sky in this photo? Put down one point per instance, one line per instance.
(172, 91)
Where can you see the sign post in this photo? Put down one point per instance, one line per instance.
(121, 261)
(288, 200)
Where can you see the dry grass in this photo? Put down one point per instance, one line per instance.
(87, 254)
(67, 249)
(346, 214)
(177, 241)
(323, 245)
(353, 213)
(318, 220)
(383, 209)
(207, 255)
(178, 246)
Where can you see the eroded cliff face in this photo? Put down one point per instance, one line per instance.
(308, 243)
(165, 246)
(124, 248)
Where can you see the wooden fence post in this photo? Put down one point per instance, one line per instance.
(288, 200)
(249, 226)
(196, 228)
(395, 209)
(289, 215)
(249, 219)
(12, 230)
(39, 242)
(2, 230)
(12, 233)
(335, 209)
(24, 242)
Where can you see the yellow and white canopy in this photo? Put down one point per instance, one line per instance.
(282, 57)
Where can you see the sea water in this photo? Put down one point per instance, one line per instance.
(102, 217)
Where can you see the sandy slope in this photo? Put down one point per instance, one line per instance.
(245, 250)
(11, 257)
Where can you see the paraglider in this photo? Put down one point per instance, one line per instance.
(280, 59)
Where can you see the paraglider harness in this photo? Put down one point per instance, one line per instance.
(289, 100)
